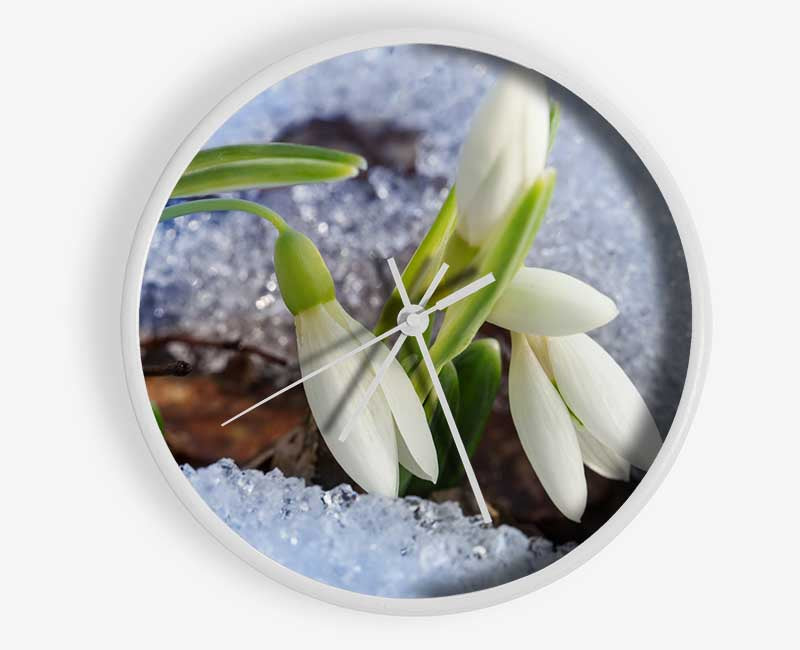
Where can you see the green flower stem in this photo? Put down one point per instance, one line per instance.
(225, 205)
(303, 278)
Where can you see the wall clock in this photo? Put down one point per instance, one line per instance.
(410, 326)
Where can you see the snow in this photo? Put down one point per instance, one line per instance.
(374, 545)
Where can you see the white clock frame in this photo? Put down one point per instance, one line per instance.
(527, 56)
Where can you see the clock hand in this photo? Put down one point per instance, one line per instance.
(401, 288)
(463, 292)
(447, 301)
(432, 286)
(451, 423)
(384, 367)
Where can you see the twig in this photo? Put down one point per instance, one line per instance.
(233, 346)
(173, 369)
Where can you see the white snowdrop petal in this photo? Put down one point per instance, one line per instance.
(550, 303)
(416, 451)
(491, 202)
(535, 124)
(539, 346)
(545, 430)
(600, 393)
(369, 455)
(601, 459)
(415, 447)
(504, 151)
(491, 130)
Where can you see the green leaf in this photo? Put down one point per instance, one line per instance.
(471, 382)
(260, 173)
(502, 255)
(249, 152)
(479, 368)
(409, 361)
(442, 438)
(423, 264)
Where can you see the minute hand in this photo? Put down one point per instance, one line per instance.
(444, 303)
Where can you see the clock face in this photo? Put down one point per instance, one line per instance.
(415, 322)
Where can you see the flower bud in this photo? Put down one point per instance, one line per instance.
(504, 152)
(303, 278)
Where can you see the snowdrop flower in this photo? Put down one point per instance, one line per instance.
(571, 403)
(503, 153)
(393, 427)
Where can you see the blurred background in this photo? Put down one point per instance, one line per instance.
(210, 301)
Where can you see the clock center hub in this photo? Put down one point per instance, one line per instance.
(412, 321)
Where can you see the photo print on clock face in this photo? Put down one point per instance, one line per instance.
(415, 322)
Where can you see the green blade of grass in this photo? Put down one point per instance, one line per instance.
(250, 152)
(260, 173)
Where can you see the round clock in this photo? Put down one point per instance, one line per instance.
(411, 326)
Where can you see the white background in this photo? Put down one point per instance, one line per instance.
(97, 552)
